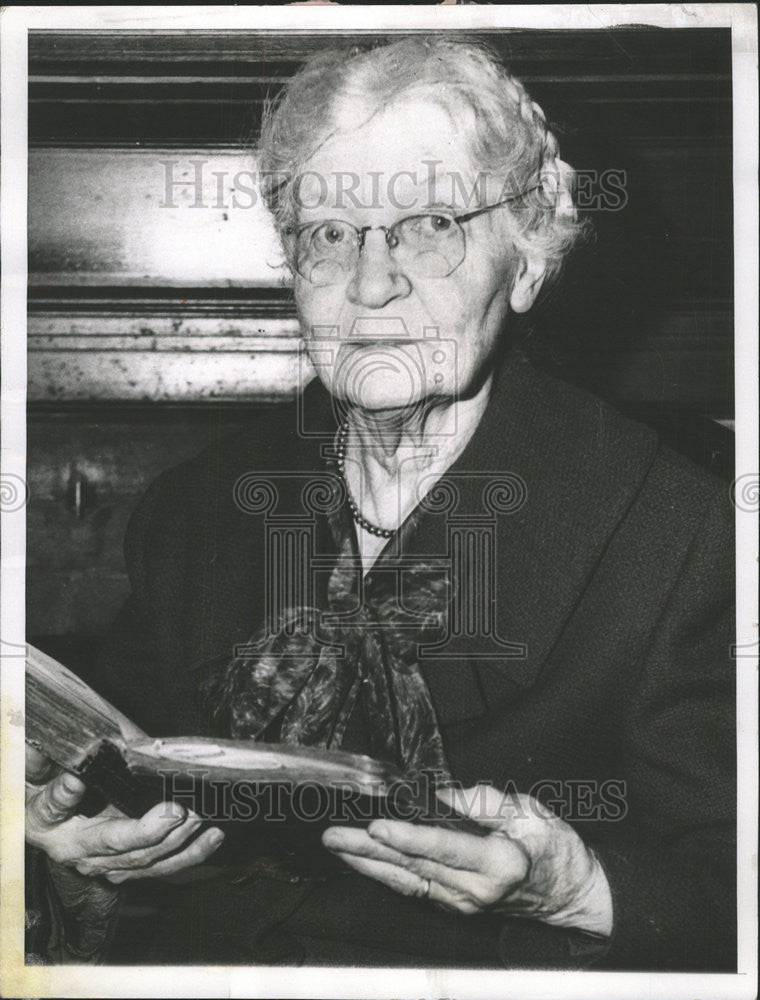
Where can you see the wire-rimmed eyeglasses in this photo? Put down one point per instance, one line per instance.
(428, 245)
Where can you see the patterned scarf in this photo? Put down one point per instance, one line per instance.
(300, 679)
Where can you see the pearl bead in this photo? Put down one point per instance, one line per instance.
(340, 448)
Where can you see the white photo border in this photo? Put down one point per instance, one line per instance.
(19, 980)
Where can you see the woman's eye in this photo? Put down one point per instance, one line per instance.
(430, 225)
(440, 223)
(331, 234)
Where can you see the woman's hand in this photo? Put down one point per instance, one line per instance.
(532, 863)
(109, 844)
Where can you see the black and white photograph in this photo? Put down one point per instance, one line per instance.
(379, 499)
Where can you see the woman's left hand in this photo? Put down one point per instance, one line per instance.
(532, 864)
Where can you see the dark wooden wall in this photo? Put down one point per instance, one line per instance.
(152, 327)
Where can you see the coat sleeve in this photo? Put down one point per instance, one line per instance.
(72, 918)
(129, 665)
(671, 866)
(673, 875)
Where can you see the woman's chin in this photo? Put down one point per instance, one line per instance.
(387, 397)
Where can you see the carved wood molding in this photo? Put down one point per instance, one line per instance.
(225, 351)
(208, 87)
(163, 350)
(130, 304)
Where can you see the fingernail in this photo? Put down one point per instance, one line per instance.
(70, 783)
(216, 838)
(379, 831)
(175, 815)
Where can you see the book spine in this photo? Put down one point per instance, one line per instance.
(105, 772)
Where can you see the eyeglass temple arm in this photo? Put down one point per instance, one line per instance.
(498, 204)
(362, 232)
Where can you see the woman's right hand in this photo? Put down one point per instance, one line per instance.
(109, 844)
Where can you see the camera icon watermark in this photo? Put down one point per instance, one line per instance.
(745, 492)
(381, 365)
(14, 493)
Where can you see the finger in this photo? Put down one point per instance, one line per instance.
(483, 803)
(395, 877)
(358, 843)
(39, 768)
(452, 899)
(355, 840)
(57, 800)
(195, 854)
(514, 813)
(449, 847)
(402, 881)
(142, 857)
(483, 886)
(109, 836)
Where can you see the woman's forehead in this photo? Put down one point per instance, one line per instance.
(408, 156)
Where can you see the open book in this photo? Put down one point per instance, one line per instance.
(83, 733)
(299, 788)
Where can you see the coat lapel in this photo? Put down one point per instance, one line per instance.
(547, 476)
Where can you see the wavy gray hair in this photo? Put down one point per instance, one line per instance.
(339, 90)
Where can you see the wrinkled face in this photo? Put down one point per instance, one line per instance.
(391, 330)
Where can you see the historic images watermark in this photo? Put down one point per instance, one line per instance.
(190, 183)
(468, 506)
(410, 799)
(372, 350)
(745, 492)
(14, 493)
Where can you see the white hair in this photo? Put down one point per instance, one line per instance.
(507, 132)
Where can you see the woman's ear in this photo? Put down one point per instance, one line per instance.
(529, 277)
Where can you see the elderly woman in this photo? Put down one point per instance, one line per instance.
(506, 583)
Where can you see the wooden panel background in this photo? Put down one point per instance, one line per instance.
(153, 328)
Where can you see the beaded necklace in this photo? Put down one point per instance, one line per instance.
(340, 447)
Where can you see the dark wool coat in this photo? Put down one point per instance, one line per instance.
(614, 569)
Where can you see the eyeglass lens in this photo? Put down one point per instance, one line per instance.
(430, 246)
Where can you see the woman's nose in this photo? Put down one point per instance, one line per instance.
(377, 279)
